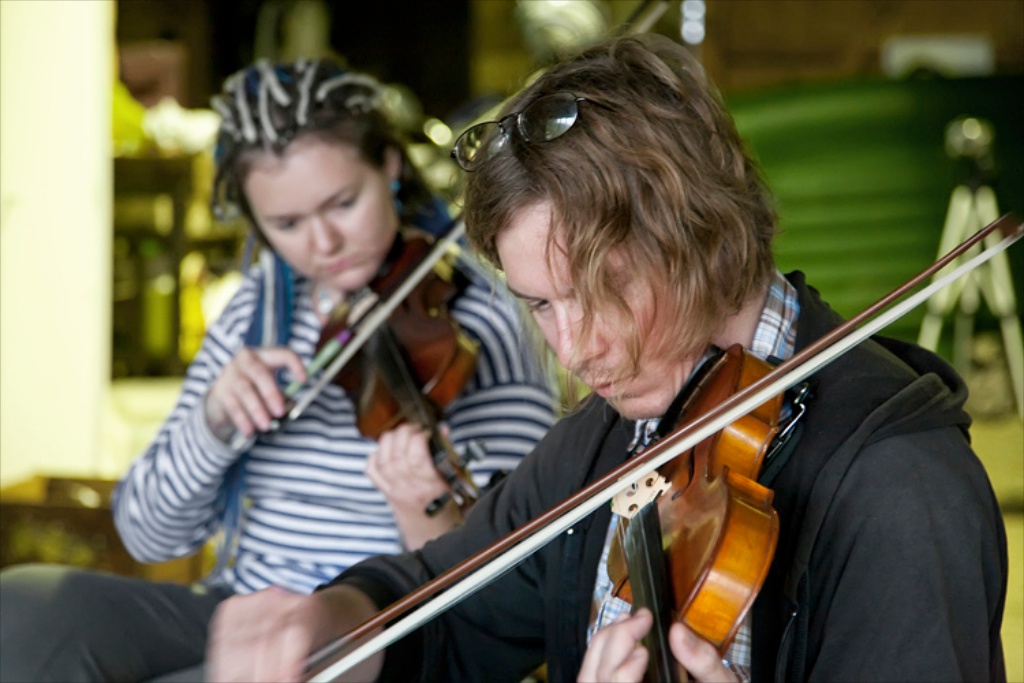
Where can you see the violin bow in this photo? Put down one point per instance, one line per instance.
(644, 16)
(475, 572)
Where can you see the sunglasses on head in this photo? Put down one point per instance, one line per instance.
(546, 118)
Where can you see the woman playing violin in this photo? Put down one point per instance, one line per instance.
(615, 194)
(307, 154)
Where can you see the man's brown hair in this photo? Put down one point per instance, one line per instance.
(653, 172)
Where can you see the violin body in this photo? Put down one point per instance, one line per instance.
(718, 527)
(416, 363)
(741, 446)
(726, 530)
(440, 358)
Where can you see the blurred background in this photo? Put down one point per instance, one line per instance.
(885, 127)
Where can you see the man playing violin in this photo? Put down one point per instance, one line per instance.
(308, 155)
(616, 196)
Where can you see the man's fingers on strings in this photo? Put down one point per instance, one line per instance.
(697, 655)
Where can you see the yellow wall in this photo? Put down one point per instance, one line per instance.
(56, 74)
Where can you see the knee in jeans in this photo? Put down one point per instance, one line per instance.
(40, 593)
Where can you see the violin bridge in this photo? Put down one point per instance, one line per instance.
(633, 498)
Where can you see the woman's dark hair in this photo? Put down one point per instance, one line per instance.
(264, 108)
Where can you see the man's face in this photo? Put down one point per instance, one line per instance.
(601, 360)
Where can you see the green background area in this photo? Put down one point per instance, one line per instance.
(863, 181)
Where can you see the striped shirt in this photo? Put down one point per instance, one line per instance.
(312, 512)
(775, 336)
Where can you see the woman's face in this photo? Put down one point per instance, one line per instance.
(326, 211)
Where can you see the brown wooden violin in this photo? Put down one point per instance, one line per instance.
(697, 536)
(413, 364)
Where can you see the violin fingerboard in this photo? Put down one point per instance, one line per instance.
(648, 578)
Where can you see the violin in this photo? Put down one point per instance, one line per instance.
(478, 570)
(698, 535)
(413, 364)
